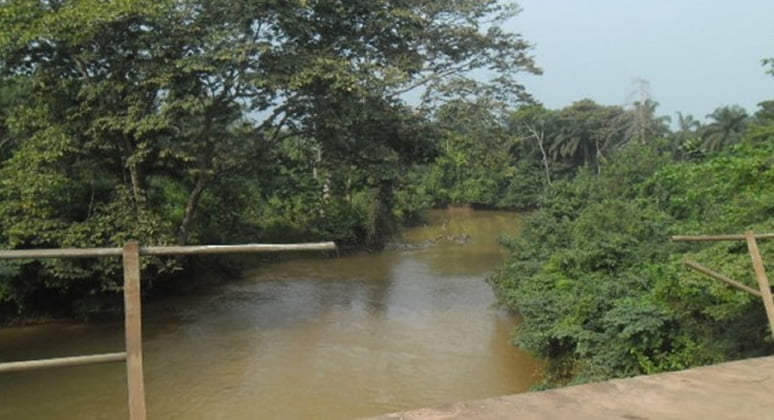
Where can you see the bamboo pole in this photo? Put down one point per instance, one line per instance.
(133, 331)
(760, 274)
(721, 277)
(17, 254)
(707, 238)
(164, 250)
(61, 362)
(227, 249)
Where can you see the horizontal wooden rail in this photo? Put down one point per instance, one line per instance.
(131, 253)
(62, 362)
(228, 249)
(708, 238)
(60, 253)
(164, 250)
(725, 279)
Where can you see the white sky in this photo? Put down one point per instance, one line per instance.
(696, 54)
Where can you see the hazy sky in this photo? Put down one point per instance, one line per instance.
(696, 54)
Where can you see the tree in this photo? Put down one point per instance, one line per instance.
(13, 92)
(535, 124)
(727, 125)
(765, 112)
(686, 124)
(603, 295)
(587, 133)
(138, 108)
(475, 160)
(685, 142)
(769, 62)
(167, 79)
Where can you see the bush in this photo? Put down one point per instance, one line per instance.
(602, 291)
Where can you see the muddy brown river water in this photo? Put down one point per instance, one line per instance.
(308, 337)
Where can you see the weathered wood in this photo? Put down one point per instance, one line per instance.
(228, 249)
(133, 331)
(164, 250)
(61, 362)
(721, 277)
(708, 238)
(760, 275)
(18, 254)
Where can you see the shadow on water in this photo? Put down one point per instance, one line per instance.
(307, 337)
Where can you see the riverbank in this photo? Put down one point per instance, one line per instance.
(197, 274)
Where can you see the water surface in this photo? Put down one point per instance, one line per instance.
(304, 338)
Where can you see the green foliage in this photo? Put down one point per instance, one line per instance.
(491, 157)
(726, 128)
(188, 121)
(603, 292)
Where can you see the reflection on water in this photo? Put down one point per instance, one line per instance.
(302, 338)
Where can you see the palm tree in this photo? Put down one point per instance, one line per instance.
(765, 113)
(586, 133)
(685, 141)
(728, 124)
(687, 124)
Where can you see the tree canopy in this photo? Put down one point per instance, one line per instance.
(141, 118)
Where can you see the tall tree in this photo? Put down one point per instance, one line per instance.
(588, 133)
(138, 108)
(726, 127)
(686, 123)
(765, 112)
(686, 140)
(177, 86)
(536, 125)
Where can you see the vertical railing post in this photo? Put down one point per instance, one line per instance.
(133, 331)
(760, 274)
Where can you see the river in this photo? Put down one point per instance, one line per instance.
(306, 337)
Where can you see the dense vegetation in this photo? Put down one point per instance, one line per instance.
(603, 292)
(201, 121)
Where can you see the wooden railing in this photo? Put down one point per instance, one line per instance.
(764, 287)
(130, 254)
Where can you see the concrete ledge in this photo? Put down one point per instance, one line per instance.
(734, 390)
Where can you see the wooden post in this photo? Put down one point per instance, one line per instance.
(760, 274)
(133, 331)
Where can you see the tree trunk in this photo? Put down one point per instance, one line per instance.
(540, 137)
(599, 157)
(202, 180)
(136, 177)
(545, 159)
(190, 209)
(317, 161)
(317, 172)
